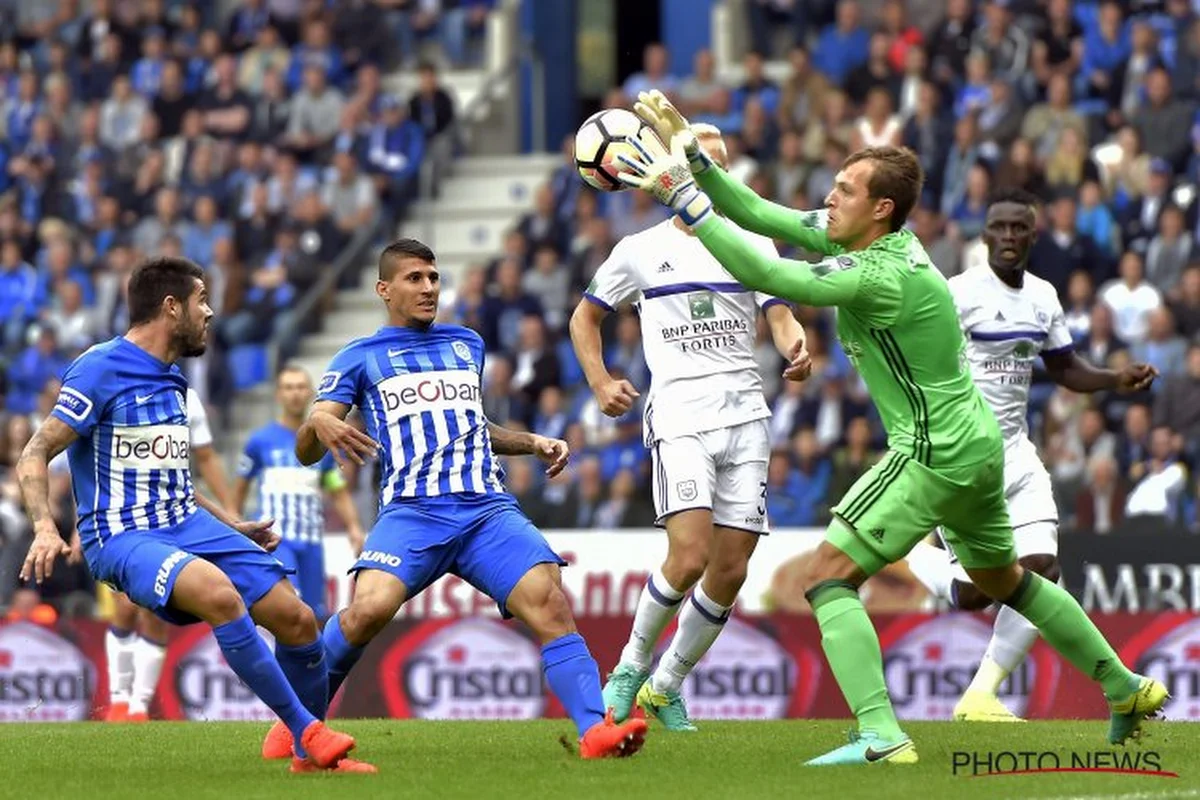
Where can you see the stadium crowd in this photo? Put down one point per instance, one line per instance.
(254, 143)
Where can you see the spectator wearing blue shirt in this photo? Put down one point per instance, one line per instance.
(756, 85)
(147, 72)
(394, 149)
(18, 292)
(267, 306)
(318, 50)
(246, 23)
(29, 372)
(503, 311)
(463, 30)
(1162, 349)
(811, 476)
(969, 213)
(21, 111)
(785, 507)
(654, 74)
(1106, 47)
(842, 46)
(976, 94)
(1095, 220)
(201, 236)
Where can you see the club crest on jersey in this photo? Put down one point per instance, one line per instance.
(328, 381)
(686, 490)
(462, 351)
(700, 304)
(1041, 316)
(1023, 350)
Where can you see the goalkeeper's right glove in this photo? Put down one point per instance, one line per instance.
(670, 125)
(667, 178)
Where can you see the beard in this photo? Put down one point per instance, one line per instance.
(193, 341)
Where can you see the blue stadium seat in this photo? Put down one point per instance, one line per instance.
(248, 363)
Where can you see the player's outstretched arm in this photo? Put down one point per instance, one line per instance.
(1067, 369)
(790, 340)
(33, 475)
(614, 396)
(209, 465)
(326, 431)
(507, 442)
(739, 203)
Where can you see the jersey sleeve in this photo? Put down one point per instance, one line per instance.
(250, 463)
(739, 203)
(768, 250)
(332, 479)
(616, 281)
(340, 383)
(86, 390)
(1058, 338)
(199, 431)
(858, 282)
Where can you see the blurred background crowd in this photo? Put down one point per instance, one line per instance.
(258, 141)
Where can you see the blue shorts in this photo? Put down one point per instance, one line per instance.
(146, 564)
(482, 538)
(306, 562)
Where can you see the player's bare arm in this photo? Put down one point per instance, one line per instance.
(614, 396)
(209, 465)
(344, 503)
(1069, 370)
(33, 474)
(326, 430)
(506, 442)
(257, 531)
(241, 491)
(790, 340)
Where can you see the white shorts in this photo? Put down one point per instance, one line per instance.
(724, 470)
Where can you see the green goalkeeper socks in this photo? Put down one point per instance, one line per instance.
(852, 647)
(1065, 626)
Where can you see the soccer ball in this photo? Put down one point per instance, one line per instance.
(604, 136)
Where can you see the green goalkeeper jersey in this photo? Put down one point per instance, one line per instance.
(896, 320)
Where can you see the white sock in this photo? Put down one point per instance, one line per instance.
(656, 607)
(700, 622)
(118, 652)
(147, 666)
(934, 569)
(1013, 637)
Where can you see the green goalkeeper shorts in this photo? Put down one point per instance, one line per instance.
(898, 502)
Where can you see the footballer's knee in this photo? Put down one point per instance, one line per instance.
(829, 563)
(686, 561)
(539, 601)
(997, 583)
(969, 597)
(296, 624)
(224, 605)
(365, 617)
(1043, 564)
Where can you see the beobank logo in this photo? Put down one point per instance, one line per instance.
(1168, 649)
(747, 674)
(200, 685)
(43, 677)
(463, 669)
(929, 661)
(151, 446)
(428, 391)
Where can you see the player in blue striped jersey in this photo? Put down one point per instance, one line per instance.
(291, 493)
(443, 508)
(122, 418)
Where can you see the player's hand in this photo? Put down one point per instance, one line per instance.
(1135, 378)
(75, 556)
(554, 452)
(47, 546)
(671, 127)
(799, 362)
(668, 179)
(616, 397)
(346, 442)
(358, 540)
(259, 532)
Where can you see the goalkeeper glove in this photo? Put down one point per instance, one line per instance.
(667, 178)
(670, 125)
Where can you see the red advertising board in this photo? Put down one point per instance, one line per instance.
(480, 668)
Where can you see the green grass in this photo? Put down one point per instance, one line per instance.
(179, 761)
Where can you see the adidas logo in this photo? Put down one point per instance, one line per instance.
(666, 267)
(999, 316)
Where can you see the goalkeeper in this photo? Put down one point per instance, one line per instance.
(944, 465)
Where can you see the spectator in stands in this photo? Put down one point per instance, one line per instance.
(1069, 165)
(1058, 49)
(266, 56)
(1165, 123)
(1162, 348)
(1177, 404)
(1100, 507)
(246, 25)
(757, 86)
(878, 126)
(698, 90)
(431, 106)
(1169, 252)
(314, 116)
(226, 108)
(503, 311)
(1129, 82)
(75, 326)
(1077, 311)
(18, 291)
(950, 43)
(930, 229)
(316, 51)
(349, 196)
(1061, 251)
(1095, 220)
(542, 226)
(803, 94)
(271, 114)
(360, 33)
(587, 495)
(1132, 299)
(811, 477)
(654, 74)
(844, 45)
(1159, 481)
(1142, 215)
(550, 283)
(964, 152)
(1186, 305)
(394, 151)
(1045, 122)
(1006, 45)
(29, 371)
(535, 363)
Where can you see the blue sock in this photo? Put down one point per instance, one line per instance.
(575, 679)
(307, 671)
(252, 660)
(340, 655)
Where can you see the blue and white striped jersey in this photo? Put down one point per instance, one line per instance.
(129, 466)
(420, 394)
(288, 492)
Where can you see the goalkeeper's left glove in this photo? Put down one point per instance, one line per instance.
(670, 125)
(668, 179)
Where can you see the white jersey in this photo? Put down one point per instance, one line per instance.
(199, 433)
(698, 329)
(1007, 329)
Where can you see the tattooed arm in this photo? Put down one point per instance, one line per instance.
(33, 472)
(506, 442)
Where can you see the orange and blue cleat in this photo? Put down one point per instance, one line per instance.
(278, 744)
(609, 739)
(325, 747)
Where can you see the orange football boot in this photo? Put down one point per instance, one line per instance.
(324, 745)
(607, 739)
(117, 712)
(300, 765)
(278, 743)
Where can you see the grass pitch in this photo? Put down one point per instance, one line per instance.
(180, 761)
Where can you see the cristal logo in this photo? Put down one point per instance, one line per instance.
(1169, 649)
(203, 687)
(928, 662)
(423, 391)
(43, 677)
(164, 446)
(464, 669)
(746, 675)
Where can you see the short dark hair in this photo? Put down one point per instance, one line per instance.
(289, 367)
(394, 253)
(1014, 194)
(897, 175)
(156, 279)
